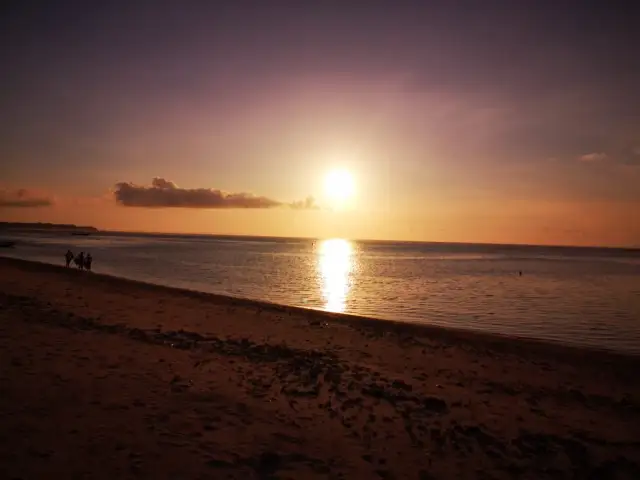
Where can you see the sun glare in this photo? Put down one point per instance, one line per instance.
(335, 261)
(339, 185)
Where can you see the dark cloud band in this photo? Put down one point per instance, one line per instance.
(166, 194)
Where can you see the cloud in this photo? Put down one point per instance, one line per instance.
(163, 193)
(595, 157)
(308, 203)
(629, 157)
(23, 198)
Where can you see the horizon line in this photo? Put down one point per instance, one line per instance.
(363, 240)
(371, 240)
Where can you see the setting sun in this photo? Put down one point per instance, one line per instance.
(339, 185)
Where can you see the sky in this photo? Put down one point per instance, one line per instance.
(466, 121)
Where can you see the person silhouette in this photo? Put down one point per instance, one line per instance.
(68, 257)
(80, 260)
(87, 262)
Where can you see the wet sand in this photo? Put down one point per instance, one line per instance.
(108, 378)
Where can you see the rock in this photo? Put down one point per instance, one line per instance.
(137, 334)
(434, 404)
(399, 384)
(217, 463)
(269, 462)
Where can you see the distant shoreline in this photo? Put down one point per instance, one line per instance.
(63, 228)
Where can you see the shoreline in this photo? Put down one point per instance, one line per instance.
(496, 341)
(113, 378)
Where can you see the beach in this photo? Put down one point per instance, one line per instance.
(586, 297)
(110, 378)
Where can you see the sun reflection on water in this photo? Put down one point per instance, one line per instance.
(335, 262)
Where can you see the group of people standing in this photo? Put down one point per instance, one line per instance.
(82, 261)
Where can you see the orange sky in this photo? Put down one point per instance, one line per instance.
(580, 223)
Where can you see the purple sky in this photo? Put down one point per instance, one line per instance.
(438, 108)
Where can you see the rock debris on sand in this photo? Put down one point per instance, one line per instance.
(106, 378)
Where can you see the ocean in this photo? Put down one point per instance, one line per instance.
(569, 295)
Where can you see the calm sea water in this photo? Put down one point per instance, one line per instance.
(568, 295)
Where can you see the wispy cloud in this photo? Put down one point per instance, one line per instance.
(595, 157)
(308, 203)
(23, 198)
(629, 157)
(163, 193)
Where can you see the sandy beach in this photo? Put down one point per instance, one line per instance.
(108, 378)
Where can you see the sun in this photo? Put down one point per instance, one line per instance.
(339, 185)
